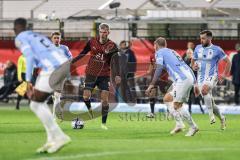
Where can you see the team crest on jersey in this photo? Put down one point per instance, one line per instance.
(210, 53)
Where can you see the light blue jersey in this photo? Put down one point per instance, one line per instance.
(174, 64)
(66, 51)
(39, 51)
(207, 59)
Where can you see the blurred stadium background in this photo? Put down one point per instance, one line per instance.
(139, 22)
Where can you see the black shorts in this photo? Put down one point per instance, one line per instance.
(102, 82)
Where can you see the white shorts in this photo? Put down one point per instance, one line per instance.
(210, 81)
(181, 89)
(42, 82)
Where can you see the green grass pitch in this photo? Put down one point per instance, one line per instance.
(21, 134)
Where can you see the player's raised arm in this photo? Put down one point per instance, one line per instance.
(86, 49)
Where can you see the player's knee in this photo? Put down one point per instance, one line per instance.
(177, 105)
(86, 95)
(153, 93)
(167, 98)
(105, 107)
(104, 101)
(104, 97)
(205, 90)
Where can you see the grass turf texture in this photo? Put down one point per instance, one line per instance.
(21, 134)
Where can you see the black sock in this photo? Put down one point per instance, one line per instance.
(152, 104)
(88, 104)
(104, 113)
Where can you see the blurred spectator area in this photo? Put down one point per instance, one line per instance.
(142, 49)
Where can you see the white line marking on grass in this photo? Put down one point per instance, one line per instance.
(101, 154)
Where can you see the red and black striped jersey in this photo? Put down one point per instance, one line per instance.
(100, 57)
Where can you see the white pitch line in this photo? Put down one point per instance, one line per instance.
(100, 154)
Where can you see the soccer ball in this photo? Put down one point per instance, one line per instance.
(77, 124)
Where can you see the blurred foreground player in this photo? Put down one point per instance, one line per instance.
(102, 51)
(38, 49)
(183, 80)
(205, 60)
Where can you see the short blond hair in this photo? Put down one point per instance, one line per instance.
(104, 26)
(55, 34)
(161, 42)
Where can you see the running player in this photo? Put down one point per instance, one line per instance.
(183, 80)
(205, 60)
(102, 51)
(38, 49)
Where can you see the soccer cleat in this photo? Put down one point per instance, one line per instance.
(103, 126)
(45, 147)
(191, 131)
(150, 115)
(58, 144)
(223, 123)
(177, 129)
(212, 120)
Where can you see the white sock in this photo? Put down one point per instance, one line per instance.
(44, 114)
(217, 111)
(176, 115)
(55, 102)
(187, 117)
(208, 103)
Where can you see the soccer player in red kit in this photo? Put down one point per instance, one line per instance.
(97, 71)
